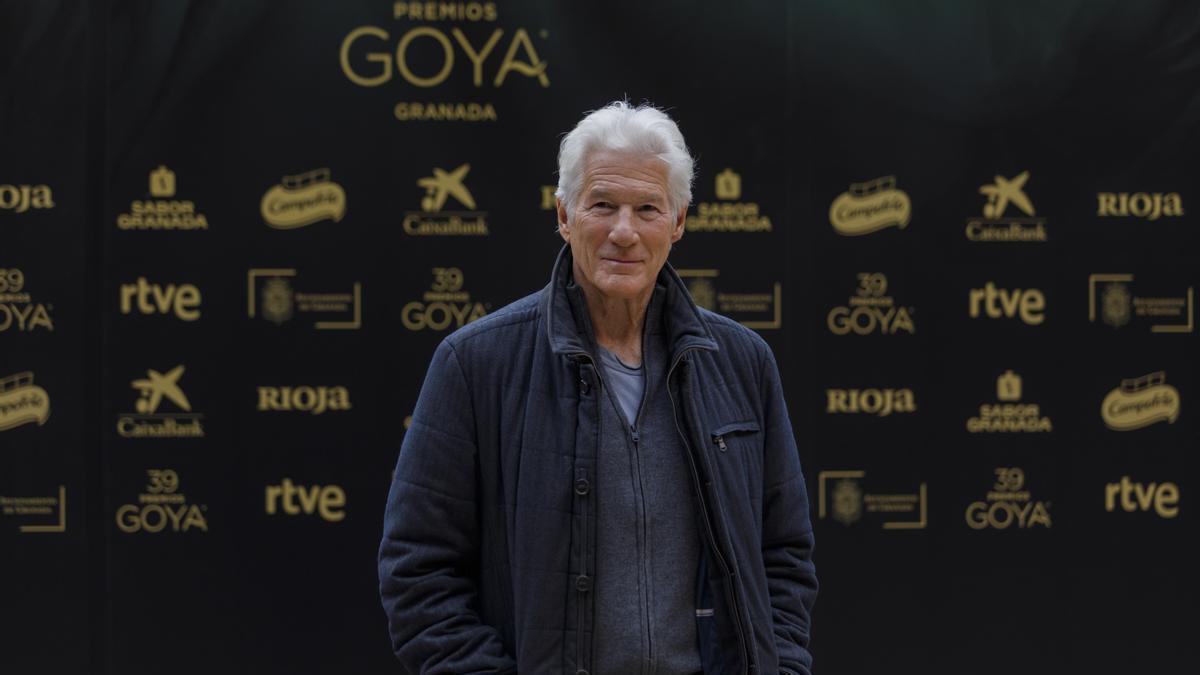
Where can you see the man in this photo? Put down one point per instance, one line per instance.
(602, 477)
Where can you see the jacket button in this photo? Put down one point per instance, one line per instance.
(582, 486)
(583, 583)
(584, 386)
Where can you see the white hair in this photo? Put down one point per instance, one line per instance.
(620, 127)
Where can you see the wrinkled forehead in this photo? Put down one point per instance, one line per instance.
(630, 175)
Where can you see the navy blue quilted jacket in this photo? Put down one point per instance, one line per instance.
(488, 548)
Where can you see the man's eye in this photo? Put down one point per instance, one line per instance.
(602, 205)
(648, 207)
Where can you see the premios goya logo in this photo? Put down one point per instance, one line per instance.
(995, 303)
(870, 206)
(445, 305)
(444, 43)
(162, 508)
(729, 213)
(1009, 414)
(1111, 301)
(877, 402)
(22, 401)
(19, 310)
(841, 497)
(1008, 504)
(21, 198)
(997, 225)
(871, 310)
(1148, 205)
(148, 421)
(162, 212)
(303, 398)
(270, 296)
(144, 297)
(302, 200)
(432, 220)
(326, 501)
(1140, 402)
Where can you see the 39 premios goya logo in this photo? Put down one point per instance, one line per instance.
(445, 306)
(759, 310)
(162, 211)
(302, 200)
(433, 220)
(729, 213)
(1008, 414)
(1112, 302)
(841, 497)
(20, 310)
(1009, 504)
(161, 408)
(871, 310)
(22, 401)
(435, 46)
(162, 507)
(19, 198)
(870, 206)
(1140, 402)
(1008, 213)
(277, 296)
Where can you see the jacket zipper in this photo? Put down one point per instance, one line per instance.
(708, 530)
(580, 592)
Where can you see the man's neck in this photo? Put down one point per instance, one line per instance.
(618, 323)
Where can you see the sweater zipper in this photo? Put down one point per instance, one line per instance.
(708, 530)
(582, 591)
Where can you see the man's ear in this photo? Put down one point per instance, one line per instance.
(564, 227)
(677, 233)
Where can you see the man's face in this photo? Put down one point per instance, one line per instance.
(622, 226)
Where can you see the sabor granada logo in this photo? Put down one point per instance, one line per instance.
(21, 198)
(870, 206)
(162, 507)
(1009, 415)
(1140, 402)
(302, 200)
(730, 214)
(148, 422)
(996, 225)
(22, 401)
(18, 310)
(162, 212)
(425, 56)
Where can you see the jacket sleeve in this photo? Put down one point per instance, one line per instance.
(429, 555)
(787, 543)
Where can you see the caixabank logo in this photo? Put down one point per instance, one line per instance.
(1009, 504)
(761, 309)
(870, 206)
(20, 310)
(1140, 402)
(434, 220)
(303, 199)
(437, 46)
(842, 497)
(161, 507)
(21, 198)
(277, 295)
(1112, 302)
(447, 305)
(22, 401)
(161, 408)
(1009, 414)
(871, 310)
(729, 213)
(163, 211)
(1008, 213)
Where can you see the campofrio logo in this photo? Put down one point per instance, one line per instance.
(869, 207)
(1140, 402)
(302, 200)
(22, 401)
(162, 508)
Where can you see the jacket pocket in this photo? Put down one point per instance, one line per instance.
(724, 433)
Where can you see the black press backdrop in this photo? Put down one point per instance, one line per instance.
(232, 233)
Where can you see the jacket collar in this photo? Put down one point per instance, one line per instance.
(568, 334)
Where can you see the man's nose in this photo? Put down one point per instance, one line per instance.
(623, 232)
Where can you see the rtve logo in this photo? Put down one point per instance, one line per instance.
(325, 501)
(183, 300)
(1162, 497)
(995, 303)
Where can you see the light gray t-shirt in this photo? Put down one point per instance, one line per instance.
(624, 382)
